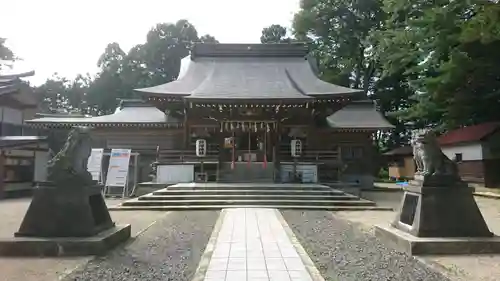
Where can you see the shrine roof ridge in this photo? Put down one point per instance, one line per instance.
(250, 50)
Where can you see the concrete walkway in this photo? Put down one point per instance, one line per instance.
(253, 245)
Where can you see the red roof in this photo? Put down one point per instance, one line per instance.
(469, 133)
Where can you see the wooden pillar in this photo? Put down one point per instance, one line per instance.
(2, 175)
(186, 127)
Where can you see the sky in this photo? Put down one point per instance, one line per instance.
(67, 36)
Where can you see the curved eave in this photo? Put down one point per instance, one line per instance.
(103, 125)
(360, 115)
(349, 92)
(210, 78)
(361, 129)
(19, 75)
(155, 92)
(304, 99)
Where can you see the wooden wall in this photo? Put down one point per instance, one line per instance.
(357, 151)
(142, 139)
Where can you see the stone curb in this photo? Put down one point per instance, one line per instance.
(309, 264)
(487, 195)
(209, 249)
(490, 195)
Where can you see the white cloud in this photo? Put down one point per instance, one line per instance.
(67, 36)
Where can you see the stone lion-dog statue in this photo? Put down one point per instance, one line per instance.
(429, 158)
(69, 165)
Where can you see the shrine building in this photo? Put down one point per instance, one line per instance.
(250, 103)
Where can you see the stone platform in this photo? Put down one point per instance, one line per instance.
(197, 196)
(71, 246)
(413, 245)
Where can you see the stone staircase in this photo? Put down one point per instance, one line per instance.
(195, 196)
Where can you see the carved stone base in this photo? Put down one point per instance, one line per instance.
(97, 244)
(65, 211)
(413, 245)
(440, 211)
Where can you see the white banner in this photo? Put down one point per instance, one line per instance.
(94, 165)
(118, 167)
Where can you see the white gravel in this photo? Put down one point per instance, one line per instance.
(170, 250)
(342, 251)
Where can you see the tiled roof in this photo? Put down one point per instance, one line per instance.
(469, 133)
(11, 84)
(130, 112)
(404, 150)
(358, 115)
(19, 141)
(249, 50)
(248, 71)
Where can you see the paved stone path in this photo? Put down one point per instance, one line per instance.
(253, 245)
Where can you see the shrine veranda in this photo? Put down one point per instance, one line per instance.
(248, 102)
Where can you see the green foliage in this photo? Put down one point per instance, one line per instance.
(343, 38)
(383, 173)
(6, 54)
(432, 63)
(449, 50)
(154, 62)
(274, 34)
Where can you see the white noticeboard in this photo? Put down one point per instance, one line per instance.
(94, 165)
(41, 160)
(118, 167)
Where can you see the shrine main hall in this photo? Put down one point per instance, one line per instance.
(250, 103)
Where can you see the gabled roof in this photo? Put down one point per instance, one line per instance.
(469, 134)
(248, 72)
(358, 115)
(11, 84)
(128, 113)
(20, 141)
(404, 151)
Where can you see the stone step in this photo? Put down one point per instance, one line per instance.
(152, 184)
(297, 192)
(281, 202)
(249, 186)
(277, 206)
(246, 197)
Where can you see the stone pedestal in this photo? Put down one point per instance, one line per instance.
(65, 220)
(65, 211)
(439, 217)
(446, 211)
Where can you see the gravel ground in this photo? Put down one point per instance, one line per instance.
(342, 251)
(170, 250)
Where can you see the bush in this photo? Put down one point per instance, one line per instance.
(383, 173)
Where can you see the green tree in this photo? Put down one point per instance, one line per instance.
(208, 39)
(154, 62)
(6, 55)
(449, 49)
(274, 34)
(342, 35)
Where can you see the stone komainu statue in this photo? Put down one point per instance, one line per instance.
(429, 158)
(69, 165)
